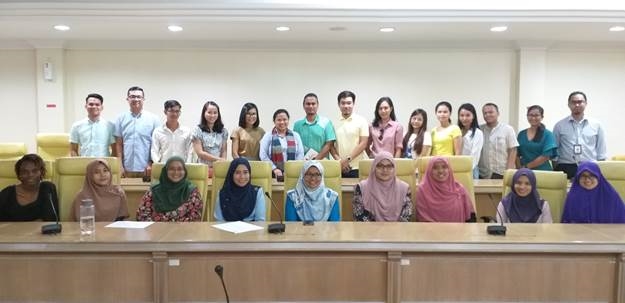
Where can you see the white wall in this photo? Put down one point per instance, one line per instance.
(274, 79)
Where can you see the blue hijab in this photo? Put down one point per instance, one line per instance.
(314, 204)
(523, 209)
(236, 202)
(601, 204)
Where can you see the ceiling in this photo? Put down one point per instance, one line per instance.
(314, 24)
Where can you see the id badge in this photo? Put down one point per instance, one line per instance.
(577, 149)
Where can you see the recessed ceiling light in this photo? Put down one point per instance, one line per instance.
(283, 28)
(175, 28)
(617, 28)
(387, 29)
(498, 29)
(61, 27)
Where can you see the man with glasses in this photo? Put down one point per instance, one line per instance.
(317, 132)
(92, 136)
(171, 139)
(133, 135)
(352, 135)
(579, 138)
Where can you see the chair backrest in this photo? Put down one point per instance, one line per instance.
(462, 167)
(197, 173)
(614, 172)
(404, 169)
(51, 146)
(618, 158)
(12, 150)
(261, 176)
(551, 186)
(331, 177)
(7, 172)
(69, 174)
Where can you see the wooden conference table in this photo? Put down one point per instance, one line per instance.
(342, 261)
(487, 195)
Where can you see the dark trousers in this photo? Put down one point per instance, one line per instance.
(570, 169)
(350, 174)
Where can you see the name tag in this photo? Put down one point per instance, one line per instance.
(577, 149)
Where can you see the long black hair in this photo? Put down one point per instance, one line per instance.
(218, 126)
(470, 108)
(541, 128)
(376, 120)
(417, 146)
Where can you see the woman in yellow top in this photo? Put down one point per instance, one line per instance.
(447, 137)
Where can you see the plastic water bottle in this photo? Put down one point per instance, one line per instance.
(87, 217)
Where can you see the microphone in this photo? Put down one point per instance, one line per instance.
(497, 230)
(275, 228)
(53, 228)
(220, 272)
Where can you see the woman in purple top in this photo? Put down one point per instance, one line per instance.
(385, 133)
(592, 199)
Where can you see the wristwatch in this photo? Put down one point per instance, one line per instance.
(349, 158)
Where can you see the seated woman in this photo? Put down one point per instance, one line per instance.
(32, 199)
(238, 199)
(109, 200)
(382, 197)
(523, 204)
(174, 198)
(311, 200)
(441, 198)
(592, 199)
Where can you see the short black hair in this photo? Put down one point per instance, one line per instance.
(491, 104)
(34, 159)
(135, 88)
(346, 94)
(94, 95)
(280, 111)
(310, 95)
(171, 103)
(576, 93)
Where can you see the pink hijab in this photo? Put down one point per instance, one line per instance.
(383, 199)
(446, 201)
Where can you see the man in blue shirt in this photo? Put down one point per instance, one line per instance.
(92, 136)
(317, 132)
(133, 135)
(579, 138)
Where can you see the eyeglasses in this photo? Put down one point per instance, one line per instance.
(533, 115)
(385, 167)
(587, 176)
(381, 134)
(135, 97)
(313, 175)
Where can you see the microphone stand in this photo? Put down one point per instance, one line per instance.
(275, 228)
(54, 228)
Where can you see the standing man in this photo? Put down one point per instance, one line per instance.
(171, 139)
(317, 132)
(500, 143)
(578, 138)
(352, 135)
(92, 136)
(133, 135)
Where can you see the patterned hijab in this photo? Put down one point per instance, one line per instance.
(236, 202)
(383, 199)
(523, 209)
(168, 195)
(109, 200)
(601, 204)
(312, 203)
(442, 201)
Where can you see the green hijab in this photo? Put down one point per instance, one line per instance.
(168, 195)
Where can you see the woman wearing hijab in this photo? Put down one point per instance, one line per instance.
(311, 200)
(441, 198)
(523, 204)
(592, 199)
(382, 196)
(174, 198)
(109, 200)
(238, 199)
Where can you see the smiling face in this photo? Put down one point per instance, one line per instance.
(588, 180)
(281, 122)
(135, 101)
(241, 176)
(491, 114)
(94, 107)
(101, 175)
(416, 121)
(250, 117)
(29, 173)
(522, 186)
(440, 171)
(312, 177)
(175, 171)
(385, 170)
(534, 117)
(466, 118)
(346, 105)
(211, 114)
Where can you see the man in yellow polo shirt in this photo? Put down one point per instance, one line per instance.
(352, 133)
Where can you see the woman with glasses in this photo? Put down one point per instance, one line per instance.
(447, 137)
(440, 198)
(385, 133)
(174, 198)
(311, 200)
(537, 145)
(238, 199)
(281, 145)
(246, 138)
(210, 137)
(382, 196)
(592, 199)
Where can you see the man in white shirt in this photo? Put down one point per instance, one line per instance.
(500, 143)
(92, 136)
(171, 139)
